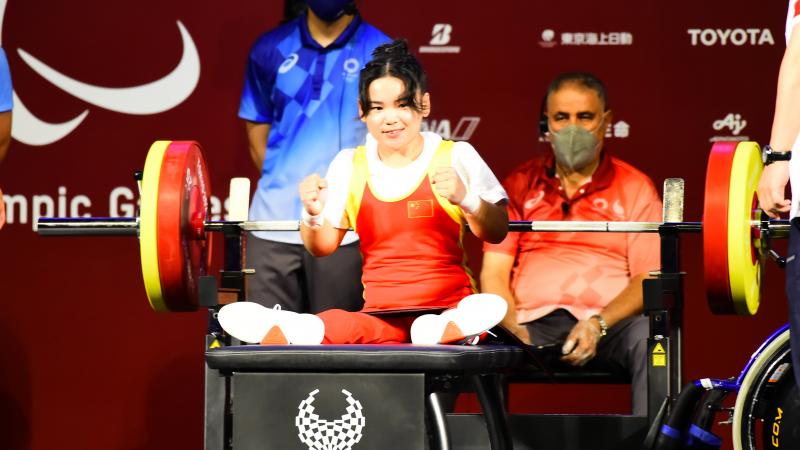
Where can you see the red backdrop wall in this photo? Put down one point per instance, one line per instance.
(86, 364)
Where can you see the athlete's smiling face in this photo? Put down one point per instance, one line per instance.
(391, 119)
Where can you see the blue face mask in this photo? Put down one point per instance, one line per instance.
(328, 10)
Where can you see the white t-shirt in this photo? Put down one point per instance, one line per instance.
(395, 182)
(792, 19)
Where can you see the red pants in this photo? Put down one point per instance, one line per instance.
(344, 327)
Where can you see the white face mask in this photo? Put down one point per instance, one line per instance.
(574, 147)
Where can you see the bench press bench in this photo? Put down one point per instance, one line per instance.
(379, 396)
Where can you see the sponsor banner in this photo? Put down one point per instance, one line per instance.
(619, 129)
(120, 201)
(463, 130)
(738, 37)
(734, 124)
(97, 82)
(585, 38)
(440, 40)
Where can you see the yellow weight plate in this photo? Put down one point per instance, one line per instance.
(148, 225)
(744, 267)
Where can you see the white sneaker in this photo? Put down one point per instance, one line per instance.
(253, 323)
(474, 315)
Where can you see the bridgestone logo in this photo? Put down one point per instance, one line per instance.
(733, 36)
(440, 37)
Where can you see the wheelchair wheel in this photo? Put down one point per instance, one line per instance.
(767, 410)
(782, 417)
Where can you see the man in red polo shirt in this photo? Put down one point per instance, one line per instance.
(582, 291)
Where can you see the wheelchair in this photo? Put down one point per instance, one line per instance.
(766, 413)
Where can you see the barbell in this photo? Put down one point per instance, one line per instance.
(175, 234)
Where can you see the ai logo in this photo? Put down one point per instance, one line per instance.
(733, 122)
(321, 434)
(440, 37)
(462, 132)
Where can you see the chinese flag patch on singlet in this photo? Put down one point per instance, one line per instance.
(420, 208)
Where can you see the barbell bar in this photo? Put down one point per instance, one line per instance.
(175, 242)
(129, 226)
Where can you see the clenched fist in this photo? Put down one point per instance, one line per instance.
(313, 193)
(447, 183)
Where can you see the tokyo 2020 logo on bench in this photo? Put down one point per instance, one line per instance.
(321, 434)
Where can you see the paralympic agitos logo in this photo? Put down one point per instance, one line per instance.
(154, 97)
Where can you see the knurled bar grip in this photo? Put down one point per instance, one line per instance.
(88, 226)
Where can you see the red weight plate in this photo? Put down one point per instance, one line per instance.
(184, 249)
(715, 227)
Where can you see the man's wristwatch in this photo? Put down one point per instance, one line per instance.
(602, 323)
(769, 156)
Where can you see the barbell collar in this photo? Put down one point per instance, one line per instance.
(775, 228)
(88, 226)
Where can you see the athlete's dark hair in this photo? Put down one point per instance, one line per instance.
(393, 60)
(584, 79)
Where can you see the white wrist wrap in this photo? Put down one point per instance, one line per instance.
(471, 203)
(312, 221)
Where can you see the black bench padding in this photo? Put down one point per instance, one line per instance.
(365, 358)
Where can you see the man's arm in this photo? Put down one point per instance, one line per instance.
(629, 302)
(257, 137)
(496, 279)
(581, 343)
(5, 133)
(5, 140)
(785, 128)
(490, 222)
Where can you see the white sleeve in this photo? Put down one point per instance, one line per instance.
(792, 18)
(339, 172)
(476, 174)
